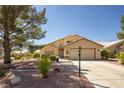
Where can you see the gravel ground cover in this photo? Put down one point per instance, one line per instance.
(65, 77)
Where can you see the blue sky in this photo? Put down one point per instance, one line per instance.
(98, 23)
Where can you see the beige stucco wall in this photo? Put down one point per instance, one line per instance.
(84, 44)
(49, 48)
(58, 43)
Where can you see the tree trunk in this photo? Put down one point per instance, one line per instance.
(7, 49)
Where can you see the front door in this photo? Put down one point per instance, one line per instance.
(61, 53)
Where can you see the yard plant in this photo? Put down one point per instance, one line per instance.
(120, 56)
(20, 25)
(2, 74)
(44, 66)
(54, 58)
(36, 55)
(105, 54)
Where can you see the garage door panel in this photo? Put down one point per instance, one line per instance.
(74, 54)
(86, 54)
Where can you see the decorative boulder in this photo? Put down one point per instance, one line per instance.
(15, 81)
(57, 69)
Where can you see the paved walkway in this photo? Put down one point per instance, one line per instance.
(103, 74)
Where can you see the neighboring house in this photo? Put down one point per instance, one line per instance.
(19, 51)
(114, 46)
(68, 47)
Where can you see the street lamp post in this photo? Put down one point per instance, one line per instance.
(79, 61)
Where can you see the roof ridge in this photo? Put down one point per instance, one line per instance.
(113, 43)
(85, 39)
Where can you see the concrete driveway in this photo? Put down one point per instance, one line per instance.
(103, 74)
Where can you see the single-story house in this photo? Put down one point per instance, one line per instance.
(57, 47)
(68, 47)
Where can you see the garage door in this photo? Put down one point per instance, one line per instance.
(86, 54)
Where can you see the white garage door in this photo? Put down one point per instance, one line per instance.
(86, 54)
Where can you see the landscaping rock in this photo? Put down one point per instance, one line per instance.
(5, 67)
(15, 81)
(58, 78)
(57, 69)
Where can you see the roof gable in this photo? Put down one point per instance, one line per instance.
(86, 40)
(73, 35)
(49, 45)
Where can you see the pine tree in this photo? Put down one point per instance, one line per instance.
(19, 25)
(120, 35)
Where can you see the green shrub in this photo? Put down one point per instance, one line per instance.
(54, 58)
(120, 56)
(111, 55)
(2, 73)
(105, 54)
(36, 55)
(44, 66)
(17, 56)
(43, 56)
(28, 55)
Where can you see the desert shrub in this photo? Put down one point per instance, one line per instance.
(36, 55)
(57, 58)
(2, 73)
(44, 66)
(54, 58)
(43, 56)
(16, 56)
(111, 55)
(28, 55)
(120, 56)
(105, 54)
